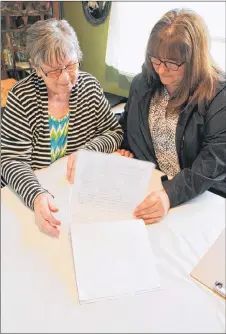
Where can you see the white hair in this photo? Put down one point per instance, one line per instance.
(52, 39)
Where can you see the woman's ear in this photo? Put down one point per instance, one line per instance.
(38, 72)
(34, 68)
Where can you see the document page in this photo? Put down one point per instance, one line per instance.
(108, 186)
(112, 259)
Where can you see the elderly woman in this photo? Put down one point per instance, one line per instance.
(52, 113)
(176, 114)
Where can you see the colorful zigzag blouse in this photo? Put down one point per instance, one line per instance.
(58, 136)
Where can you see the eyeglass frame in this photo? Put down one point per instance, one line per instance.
(60, 69)
(164, 62)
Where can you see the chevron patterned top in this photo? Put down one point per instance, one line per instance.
(58, 136)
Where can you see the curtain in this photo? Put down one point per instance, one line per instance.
(131, 23)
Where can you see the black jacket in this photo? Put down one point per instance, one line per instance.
(200, 141)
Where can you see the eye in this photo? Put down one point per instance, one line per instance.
(72, 67)
(173, 65)
(173, 61)
(54, 74)
(155, 61)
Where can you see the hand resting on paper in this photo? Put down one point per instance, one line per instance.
(125, 153)
(43, 207)
(153, 208)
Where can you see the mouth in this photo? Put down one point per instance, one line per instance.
(65, 85)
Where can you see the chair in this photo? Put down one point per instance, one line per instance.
(6, 85)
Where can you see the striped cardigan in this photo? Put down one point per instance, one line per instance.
(25, 136)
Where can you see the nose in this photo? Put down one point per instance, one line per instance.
(64, 76)
(162, 68)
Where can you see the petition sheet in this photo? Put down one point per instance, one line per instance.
(108, 186)
(113, 259)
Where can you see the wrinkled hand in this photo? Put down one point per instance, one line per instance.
(153, 208)
(43, 207)
(71, 167)
(125, 153)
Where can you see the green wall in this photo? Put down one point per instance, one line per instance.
(93, 42)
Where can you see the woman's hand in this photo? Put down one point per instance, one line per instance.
(71, 167)
(125, 153)
(43, 207)
(154, 207)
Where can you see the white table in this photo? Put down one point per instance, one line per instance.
(38, 288)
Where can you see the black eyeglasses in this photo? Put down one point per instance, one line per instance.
(170, 65)
(56, 73)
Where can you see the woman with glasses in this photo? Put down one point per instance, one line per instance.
(52, 113)
(175, 116)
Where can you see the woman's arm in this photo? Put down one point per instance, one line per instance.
(16, 148)
(109, 133)
(209, 167)
(123, 119)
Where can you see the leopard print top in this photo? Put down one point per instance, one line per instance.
(163, 132)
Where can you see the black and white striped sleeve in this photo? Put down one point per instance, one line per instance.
(16, 147)
(109, 133)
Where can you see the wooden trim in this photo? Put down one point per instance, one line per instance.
(3, 67)
(33, 13)
(56, 9)
(14, 30)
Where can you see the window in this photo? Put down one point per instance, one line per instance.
(131, 23)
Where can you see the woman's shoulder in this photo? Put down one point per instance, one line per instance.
(220, 92)
(141, 84)
(87, 79)
(217, 102)
(25, 86)
(144, 81)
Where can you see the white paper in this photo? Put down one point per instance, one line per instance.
(112, 259)
(112, 254)
(108, 187)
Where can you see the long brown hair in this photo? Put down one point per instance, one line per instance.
(181, 35)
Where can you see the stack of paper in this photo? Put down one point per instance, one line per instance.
(112, 253)
(112, 259)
